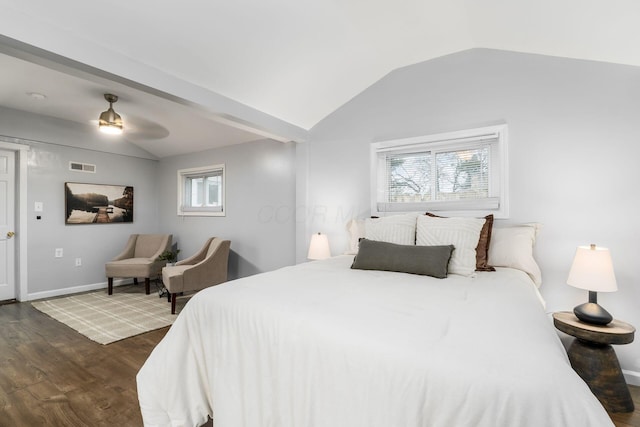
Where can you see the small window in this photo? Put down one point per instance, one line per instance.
(461, 172)
(201, 191)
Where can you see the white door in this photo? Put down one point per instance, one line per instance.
(7, 224)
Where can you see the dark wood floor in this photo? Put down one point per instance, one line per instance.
(52, 376)
(631, 419)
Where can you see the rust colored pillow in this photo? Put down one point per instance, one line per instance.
(482, 250)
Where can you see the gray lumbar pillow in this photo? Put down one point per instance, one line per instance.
(425, 260)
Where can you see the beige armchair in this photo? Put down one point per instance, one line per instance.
(139, 259)
(206, 268)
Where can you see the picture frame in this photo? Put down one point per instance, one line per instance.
(87, 203)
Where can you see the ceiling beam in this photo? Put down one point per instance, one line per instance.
(56, 50)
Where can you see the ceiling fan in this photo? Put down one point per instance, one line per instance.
(134, 127)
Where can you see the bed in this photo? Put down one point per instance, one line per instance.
(321, 344)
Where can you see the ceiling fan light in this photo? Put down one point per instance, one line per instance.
(110, 122)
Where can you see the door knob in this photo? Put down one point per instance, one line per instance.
(10, 234)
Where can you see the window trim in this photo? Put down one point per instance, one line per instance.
(498, 202)
(184, 174)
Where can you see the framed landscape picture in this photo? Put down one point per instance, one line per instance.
(97, 203)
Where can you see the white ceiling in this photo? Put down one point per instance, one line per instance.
(216, 73)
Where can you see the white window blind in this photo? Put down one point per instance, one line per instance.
(455, 172)
(408, 177)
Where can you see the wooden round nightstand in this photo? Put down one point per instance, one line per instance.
(593, 358)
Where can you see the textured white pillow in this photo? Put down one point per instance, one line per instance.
(356, 232)
(513, 247)
(462, 233)
(398, 229)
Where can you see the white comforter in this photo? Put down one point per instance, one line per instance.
(321, 345)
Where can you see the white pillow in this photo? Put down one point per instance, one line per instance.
(356, 232)
(513, 247)
(398, 229)
(462, 233)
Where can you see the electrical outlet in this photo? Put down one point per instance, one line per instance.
(58, 253)
(78, 262)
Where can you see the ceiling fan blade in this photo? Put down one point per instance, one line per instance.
(138, 128)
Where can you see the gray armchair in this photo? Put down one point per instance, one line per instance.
(206, 268)
(139, 259)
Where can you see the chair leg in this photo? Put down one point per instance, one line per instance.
(173, 303)
(110, 285)
(147, 285)
(168, 296)
(135, 280)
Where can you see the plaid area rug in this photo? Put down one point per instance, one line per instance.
(108, 318)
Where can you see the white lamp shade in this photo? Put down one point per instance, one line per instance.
(592, 269)
(319, 247)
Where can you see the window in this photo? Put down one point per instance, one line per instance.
(201, 191)
(462, 172)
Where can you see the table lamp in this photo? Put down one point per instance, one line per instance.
(592, 270)
(319, 247)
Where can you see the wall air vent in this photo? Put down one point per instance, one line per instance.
(82, 167)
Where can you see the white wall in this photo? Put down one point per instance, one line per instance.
(574, 145)
(260, 200)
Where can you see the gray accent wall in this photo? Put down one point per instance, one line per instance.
(260, 205)
(574, 145)
(260, 201)
(53, 144)
(95, 244)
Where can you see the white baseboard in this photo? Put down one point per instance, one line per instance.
(74, 290)
(632, 377)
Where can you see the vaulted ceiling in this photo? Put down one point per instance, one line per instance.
(196, 74)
